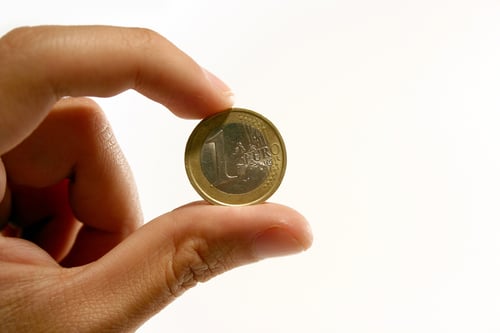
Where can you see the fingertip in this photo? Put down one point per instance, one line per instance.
(211, 95)
(216, 82)
(276, 242)
(225, 92)
(291, 234)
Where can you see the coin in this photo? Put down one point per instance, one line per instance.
(235, 158)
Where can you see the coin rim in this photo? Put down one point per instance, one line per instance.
(204, 188)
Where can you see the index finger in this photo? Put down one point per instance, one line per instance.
(40, 65)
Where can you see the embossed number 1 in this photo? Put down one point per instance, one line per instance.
(216, 144)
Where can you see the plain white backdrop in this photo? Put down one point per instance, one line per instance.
(390, 112)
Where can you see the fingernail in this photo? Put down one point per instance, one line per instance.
(219, 84)
(276, 242)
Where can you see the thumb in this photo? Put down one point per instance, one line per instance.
(191, 244)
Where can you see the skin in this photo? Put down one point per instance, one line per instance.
(80, 258)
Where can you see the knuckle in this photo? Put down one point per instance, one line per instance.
(97, 129)
(147, 36)
(89, 125)
(143, 39)
(192, 263)
(86, 113)
(76, 105)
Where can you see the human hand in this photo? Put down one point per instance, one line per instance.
(85, 264)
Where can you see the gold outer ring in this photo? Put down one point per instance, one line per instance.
(205, 188)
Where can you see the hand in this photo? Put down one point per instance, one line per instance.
(81, 261)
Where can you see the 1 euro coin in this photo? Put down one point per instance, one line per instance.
(236, 157)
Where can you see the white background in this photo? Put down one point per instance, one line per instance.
(390, 112)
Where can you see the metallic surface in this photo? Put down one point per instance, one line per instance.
(236, 157)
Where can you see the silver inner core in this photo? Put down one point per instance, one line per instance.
(236, 158)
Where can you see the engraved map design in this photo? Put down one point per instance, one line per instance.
(236, 158)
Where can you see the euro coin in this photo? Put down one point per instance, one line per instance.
(235, 158)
